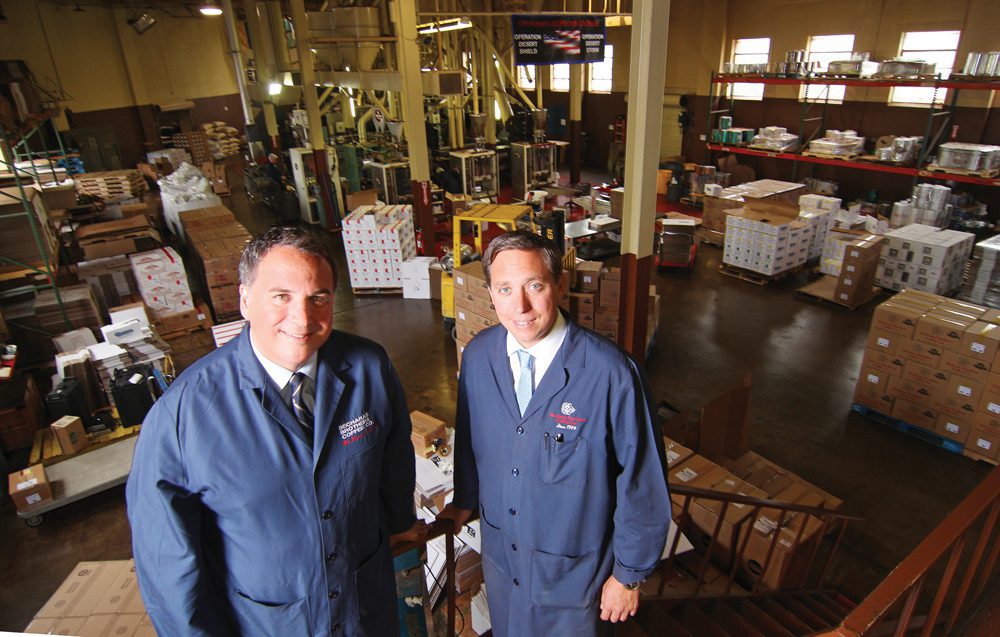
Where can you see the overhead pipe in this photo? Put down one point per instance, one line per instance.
(234, 50)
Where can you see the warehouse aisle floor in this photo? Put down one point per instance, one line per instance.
(804, 360)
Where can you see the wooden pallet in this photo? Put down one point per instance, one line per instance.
(985, 174)
(756, 277)
(873, 159)
(841, 157)
(822, 291)
(907, 428)
(969, 453)
(373, 291)
(46, 449)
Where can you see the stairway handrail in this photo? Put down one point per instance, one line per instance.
(764, 503)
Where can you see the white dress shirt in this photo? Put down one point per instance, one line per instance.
(543, 352)
(281, 376)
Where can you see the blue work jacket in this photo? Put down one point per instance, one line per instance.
(243, 526)
(569, 493)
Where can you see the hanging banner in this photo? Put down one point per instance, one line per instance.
(558, 39)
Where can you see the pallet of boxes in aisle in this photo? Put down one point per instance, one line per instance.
(932, 366)
(377, 240)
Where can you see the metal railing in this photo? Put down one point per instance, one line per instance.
(963, 549)
(797, 531)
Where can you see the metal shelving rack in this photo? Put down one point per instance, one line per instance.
(10, 154)
(932, 134)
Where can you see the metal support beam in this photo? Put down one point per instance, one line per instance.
(404, 17)
(234, 50)
(647, 69)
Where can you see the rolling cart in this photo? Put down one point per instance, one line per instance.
(84, 475)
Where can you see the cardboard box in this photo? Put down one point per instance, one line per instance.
(953, 427)
(990, 404)
(471, 278)
(676, 452)
(705, 516)
(486, 309)
(428, 433)
(941, 332)
(29, 488)
(967, 391)
(588, 276)
(873, 381)
(857, 272)
(582, 302)
(924, 416)
(956, 363)
(117, 238)
(926, 376)
(981, 341)
(896, 318)
(881, 403)
(610, 293)
(887, 362)
(606, 319)
(691, 470)
(991, 316)
(965, 307)
(69, 432)
(887, 342)
(984, 440)
(922, 353)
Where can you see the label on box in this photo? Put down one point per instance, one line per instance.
(978, 348)
(965, 391)
(686, 475)
(27, 484)
(994, 407)
(882, 342)
(985, 444)
(765, 525)
(33, 498)
(671, 456)
(872, 378)
(951, 427)
(587, 278)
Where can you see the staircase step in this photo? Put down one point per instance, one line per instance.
(836, 602)
(655, 619)
(763, 622)
(727, 617)
(630, 629)
(781, 614)
(830, 616)
(696, 621)
(802, 611)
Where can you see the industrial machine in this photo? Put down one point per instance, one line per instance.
(477, 166)
(533, 165)
(392, 181)
(304, 178)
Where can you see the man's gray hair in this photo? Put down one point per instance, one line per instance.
(523, 240)
(302, 239)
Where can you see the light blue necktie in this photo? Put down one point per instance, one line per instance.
(524, 385)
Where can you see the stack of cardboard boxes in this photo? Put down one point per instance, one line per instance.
(215, 241)
(378, 239)
(474, 310)
(933, 362)
(162, 281)
(818, 211)
(755, 477)
(925, 258)
(718, 207)
(856, 265)
(416, 277)
(767, 237)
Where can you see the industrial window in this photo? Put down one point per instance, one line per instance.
(560, 77)
(600, 72)
(526, 75)
(937, 47)
(749, 51)
(825, 49)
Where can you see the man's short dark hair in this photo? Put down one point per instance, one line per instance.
(524, 240)
(302, 239)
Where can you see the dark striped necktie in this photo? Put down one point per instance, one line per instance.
(302, 401)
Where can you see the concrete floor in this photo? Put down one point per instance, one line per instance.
(804, 358)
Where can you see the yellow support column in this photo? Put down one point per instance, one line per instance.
(404, 16)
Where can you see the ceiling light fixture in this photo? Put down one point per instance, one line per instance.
(142, 23)
(210, 8)
(274, 88)
(451, 24)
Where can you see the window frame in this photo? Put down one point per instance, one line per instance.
(937, 96)
(609, 55)
(749, 91)
(553, 79)
(814, 92)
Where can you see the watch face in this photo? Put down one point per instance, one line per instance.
(632, 586)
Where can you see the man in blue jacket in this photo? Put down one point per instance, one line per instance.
(556, 445)
(268, 478)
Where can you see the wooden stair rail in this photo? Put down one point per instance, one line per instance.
(830, 522)
(909, 579)
(435, 529)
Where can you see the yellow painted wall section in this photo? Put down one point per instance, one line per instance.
(100, 60)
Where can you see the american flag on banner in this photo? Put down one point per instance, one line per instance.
(569, 41)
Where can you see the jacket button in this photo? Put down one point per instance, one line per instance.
(327, 515)
(520, 430)
(334, 594)
(513, 547)
(514, 471)
(513, 511)
(330, 557)
(336, 628)
(517, 582)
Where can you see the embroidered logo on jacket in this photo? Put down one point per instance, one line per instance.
(568, 409)
(357, 428)
(566, 419)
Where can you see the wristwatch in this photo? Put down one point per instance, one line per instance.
(633, 586)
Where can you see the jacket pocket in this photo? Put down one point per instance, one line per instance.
(270, 618)
(564, 581)
(375, 586)
(491, 543)
(563, 462)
